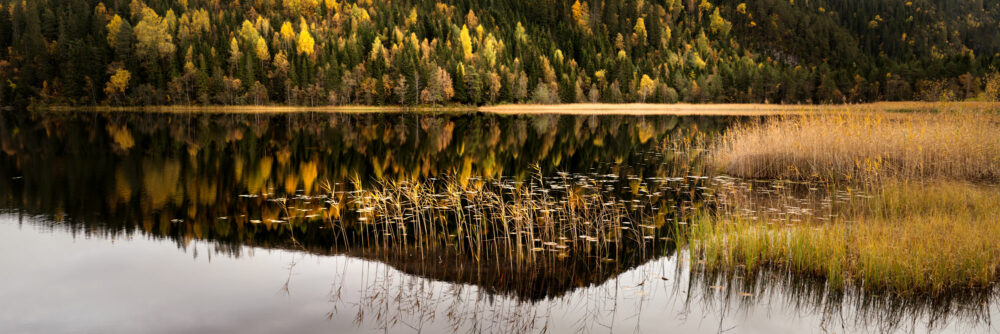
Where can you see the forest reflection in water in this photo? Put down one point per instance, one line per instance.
(278, 182)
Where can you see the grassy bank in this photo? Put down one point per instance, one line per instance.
(865, 147)
(898, 202)
(908, 238)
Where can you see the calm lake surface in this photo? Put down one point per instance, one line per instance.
(139, 222)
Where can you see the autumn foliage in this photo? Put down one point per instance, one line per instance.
(319, 52)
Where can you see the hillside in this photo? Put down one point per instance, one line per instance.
(409, 52)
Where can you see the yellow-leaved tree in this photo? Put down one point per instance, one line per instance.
(466, 42)
(287, 33)
(581, 14)
(718, 24)
(153, 36)
(234, 52)
(646, 87)
(248, 32)
(331, 5)
(640, 31)
(114, 25)
(261, 49)
(489, 50)
(992, 89)
(411, 19)
(377, 48)
(305, 43)
(520, 33)
(117, 84)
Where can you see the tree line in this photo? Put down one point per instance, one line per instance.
(474, 52)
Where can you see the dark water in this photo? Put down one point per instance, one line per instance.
(131, 222)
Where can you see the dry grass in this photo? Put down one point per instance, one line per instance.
(496, 220)
(907, 238)
(865, 147)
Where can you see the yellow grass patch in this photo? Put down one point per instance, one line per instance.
(865, 147)
(908, 238)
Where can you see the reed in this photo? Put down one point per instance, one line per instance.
(866, 146)
(496, 221)
(907, 238)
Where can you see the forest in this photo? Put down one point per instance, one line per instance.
(477, 52)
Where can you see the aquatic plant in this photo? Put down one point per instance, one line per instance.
(498, 219)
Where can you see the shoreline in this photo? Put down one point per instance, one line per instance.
(727, 109)
(254, 109)
(583, 109)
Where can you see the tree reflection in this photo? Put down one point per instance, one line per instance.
(175, 175)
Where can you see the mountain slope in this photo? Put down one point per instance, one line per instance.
(318, 52)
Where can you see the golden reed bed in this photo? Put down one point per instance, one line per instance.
(865, 146)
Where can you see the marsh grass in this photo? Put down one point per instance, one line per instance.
(906, 238)
(896, 202)
(864, 147)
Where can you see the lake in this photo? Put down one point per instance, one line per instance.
(388, 222)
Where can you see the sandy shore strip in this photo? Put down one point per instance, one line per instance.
(634, 109)
(728, 109)
(652, 109)
(276, 109)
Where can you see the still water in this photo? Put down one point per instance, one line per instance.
(135, 222)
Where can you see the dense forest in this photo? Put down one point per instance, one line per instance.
(412, 52)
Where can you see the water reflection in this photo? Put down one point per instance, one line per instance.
(286, 182)
(848, 310)
(652, 297)
(125, 171)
